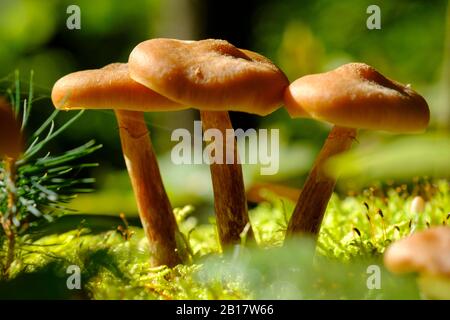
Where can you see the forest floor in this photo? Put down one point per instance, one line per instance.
(356, 230)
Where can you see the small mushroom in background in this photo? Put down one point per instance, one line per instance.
(417, 207)
(427, 253)
(215, 77)
(11, 143)
(353, 96)
(112, 88)
(11, 147)
(264, 191)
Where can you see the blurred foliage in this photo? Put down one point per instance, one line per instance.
(33, 34)
(323, 34)
(291, 274)
(398, 159)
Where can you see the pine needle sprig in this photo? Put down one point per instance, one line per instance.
(36, 186)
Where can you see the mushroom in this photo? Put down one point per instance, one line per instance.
(112, 88)
(11, 143)
(214, 77)
(427, 253)
(11, 146)
(417, 205)
(352, 96)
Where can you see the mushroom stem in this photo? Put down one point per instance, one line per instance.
(318, 188)
(230, 201)
(155, 211)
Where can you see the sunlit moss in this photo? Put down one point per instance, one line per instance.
(356, 230)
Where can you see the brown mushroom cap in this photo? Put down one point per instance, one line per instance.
(209, 75)
(10, 134)
(424, 252)
(108, 88)
(356, 95)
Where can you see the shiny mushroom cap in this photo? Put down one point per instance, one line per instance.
(209, 75)
(356, 95)
(11, 142)
(425, 252)
(108, 88)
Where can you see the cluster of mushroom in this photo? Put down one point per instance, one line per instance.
(215, 77)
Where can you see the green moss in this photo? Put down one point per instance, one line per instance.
(356, 230)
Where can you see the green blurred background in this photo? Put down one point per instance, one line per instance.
(302, 37)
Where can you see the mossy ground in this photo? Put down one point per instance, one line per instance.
(356, 230)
